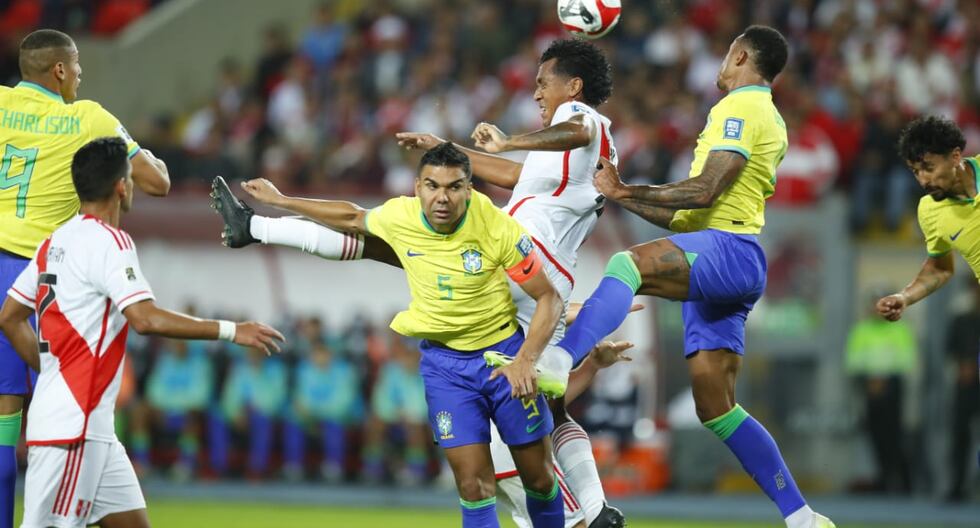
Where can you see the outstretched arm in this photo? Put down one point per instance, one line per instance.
(719, 172)
(935, 272)
(150, 173)
(149, 319)
(335, 214)
(567, 135)
(497, 170)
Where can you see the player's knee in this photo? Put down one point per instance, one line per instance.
(542, 483)
(475, 488)
(710, 404)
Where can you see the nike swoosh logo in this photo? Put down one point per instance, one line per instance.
(954, 237)
(531, 428)
(412, 254)
(528, 268)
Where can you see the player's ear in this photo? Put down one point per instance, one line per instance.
(956, 156)
(575, 86)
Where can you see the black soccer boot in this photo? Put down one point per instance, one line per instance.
(609, 517)
(236, 214)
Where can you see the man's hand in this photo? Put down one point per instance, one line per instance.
(258, 335)
(608, 353)
(489, 138)
(892, 306)
(263, 191)
(607, 181)
(522, 377)
(416, 140)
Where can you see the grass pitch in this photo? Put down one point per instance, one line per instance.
(192, 514)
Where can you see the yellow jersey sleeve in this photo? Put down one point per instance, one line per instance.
(936, 243)
(383, 220)
(513, 244)
(732, 127)
(104, 124)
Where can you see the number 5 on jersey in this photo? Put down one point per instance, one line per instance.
(447, 290)
(21, 180)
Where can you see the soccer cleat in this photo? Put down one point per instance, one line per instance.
(819, 521)
(609, 517)
(550, 383)
(236, 214)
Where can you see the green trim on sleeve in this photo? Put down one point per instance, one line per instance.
(134, 151)
(733, 148)
(937, 255)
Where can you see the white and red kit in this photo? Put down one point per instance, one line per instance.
(557, 203)
(79, 282)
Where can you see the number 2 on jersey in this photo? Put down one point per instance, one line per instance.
(21, 180)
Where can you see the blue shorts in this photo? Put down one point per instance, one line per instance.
(728, 275)
(15, 376)
(462, 399)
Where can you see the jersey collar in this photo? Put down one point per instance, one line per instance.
(39, 88)
(425, 221)
(752, 88)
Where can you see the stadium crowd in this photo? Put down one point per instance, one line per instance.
(320, 108)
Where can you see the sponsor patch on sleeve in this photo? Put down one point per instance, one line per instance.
(123, 133)
(525, 246)
(733, 128)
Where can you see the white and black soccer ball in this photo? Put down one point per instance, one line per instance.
(589, 19)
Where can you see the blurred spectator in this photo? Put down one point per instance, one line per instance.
(324, 41)
(810, 166)
(276, 54)
(881, 179)
(326, 401)
(925, 78)
(398, 408)
(963, 348)
(880, 356)
(253, 398)
(177, 393)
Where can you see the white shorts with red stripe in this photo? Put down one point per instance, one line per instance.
(74, 486)
(512, 500)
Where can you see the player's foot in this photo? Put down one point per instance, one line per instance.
(819, 521)
(550, 383)
(609, 517)
(236, 214)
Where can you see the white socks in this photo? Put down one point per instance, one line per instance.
(801, 518)
(307, 236)
(574, 454)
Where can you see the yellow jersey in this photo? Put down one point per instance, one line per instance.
(39, 135)
(744, 121)
(953, 224)
(458, 281)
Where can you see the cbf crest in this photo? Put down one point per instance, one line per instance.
(444, 422)
(472, 261)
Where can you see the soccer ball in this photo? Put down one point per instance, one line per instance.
(589, 19)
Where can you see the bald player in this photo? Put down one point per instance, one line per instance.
(41, 127)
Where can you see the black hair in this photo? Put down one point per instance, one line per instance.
(582, 59)
(770, 51)
(32, 63)
(929, 135)
(97, 167)
(447, 155)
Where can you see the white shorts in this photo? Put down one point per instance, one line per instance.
(74, 486)
(512, 501)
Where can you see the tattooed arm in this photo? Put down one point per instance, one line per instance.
(935, 272)
(661, 216)
(720, 170)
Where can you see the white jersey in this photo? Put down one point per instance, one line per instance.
(80, 280)
(554, 198)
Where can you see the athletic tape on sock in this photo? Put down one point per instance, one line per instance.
(726, 424)
(622, 267)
